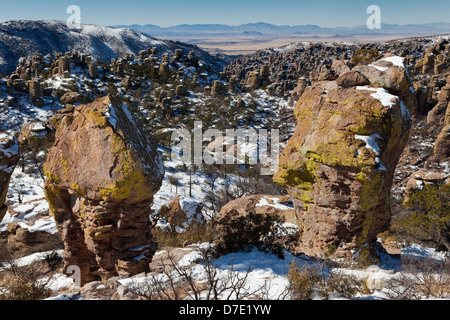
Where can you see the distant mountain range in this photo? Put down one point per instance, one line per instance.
(23, 38)
(270, 29)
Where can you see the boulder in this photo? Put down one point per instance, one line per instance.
(338, 166)
(26, 238)
(33, 132)
(9, 156)
(339, 67)
(102, 173)
(164, 69)
(423, 177)
(69, 97)
(181, 212)
(299, 89)
(442, 143)
(35, 89)
(352, 79)
(63, 67)
(181, 90)
(261, 204)
(391, 74)
(437, 115)
(93, 70)
(254, 80)
(218, 88)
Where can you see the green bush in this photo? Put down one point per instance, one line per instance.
(366, 56)
(427, 217)
(237, 232)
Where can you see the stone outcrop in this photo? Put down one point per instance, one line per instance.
(102, 173)
(421, 178)
(33, 132)
(442, 144)
(9, 156)
(69, 98)
(299, 89)
(26, 241)
(181, 212)
(339, 164)
(264, 204)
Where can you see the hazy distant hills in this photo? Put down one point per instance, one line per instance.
(270, 29)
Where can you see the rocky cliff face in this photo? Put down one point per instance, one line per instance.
(9, 156)
(102, 173)
(339, 164)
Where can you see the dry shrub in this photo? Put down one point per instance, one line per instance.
(194, 233)
(21, 283)
(306, 281)
(181, 282)
(420, 279)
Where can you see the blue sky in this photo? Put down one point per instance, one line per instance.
(325, 13)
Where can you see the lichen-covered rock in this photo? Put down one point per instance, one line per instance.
(338, 165)
(102, 173)
(9, 156)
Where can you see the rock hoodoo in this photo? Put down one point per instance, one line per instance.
(9, 156)
(339, 164)
(102, 173)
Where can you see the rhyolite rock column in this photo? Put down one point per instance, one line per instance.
(9, 156)
(102, 173)
(338, 166)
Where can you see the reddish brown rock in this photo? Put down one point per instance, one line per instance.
(339, 164)
(102, 173)
(181, 212)
(352, 79)
(261, 204)
(421, 178)
(442, 144)
(299, 89)
(9, 156)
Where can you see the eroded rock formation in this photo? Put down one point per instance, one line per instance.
(339, 164)
(9, 156)
(102, 173)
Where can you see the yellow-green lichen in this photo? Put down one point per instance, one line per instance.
(367, 223)
(51, 192)
(130, 180)
(98, 118)
(77, 189)
(371, 191)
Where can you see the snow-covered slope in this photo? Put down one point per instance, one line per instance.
(25, 38)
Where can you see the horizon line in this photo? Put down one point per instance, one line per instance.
(230, 25)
